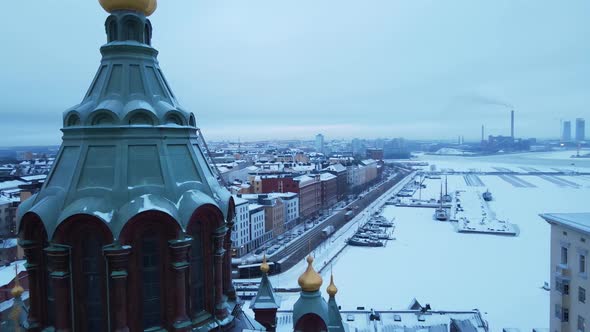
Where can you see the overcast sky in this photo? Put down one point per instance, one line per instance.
(290, 69)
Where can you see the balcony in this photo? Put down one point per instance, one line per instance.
(563, 270)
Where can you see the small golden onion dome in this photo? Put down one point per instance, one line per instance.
(310, 280)
(148, 7)
(264, 266)
(17, 291)
(332, 290)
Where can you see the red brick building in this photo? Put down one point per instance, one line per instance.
(308, 187)
(329, 189)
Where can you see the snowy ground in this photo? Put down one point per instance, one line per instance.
(501, 276)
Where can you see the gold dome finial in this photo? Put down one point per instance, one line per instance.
(310, 280)
(332, 290)
(264, 266)
(147, 7)
(17, 290)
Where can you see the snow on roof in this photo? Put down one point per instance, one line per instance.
(4, 200)
(8, 243)
(368, 162)
(13, 184)
(403, 320)
(304, 180)
(303, 168)
(327, 176)
(6, 305)
(287, 195)
(577, 221)
(223, 169)
(336, 168)
(34, 177)
(239, 200)
(252, 207)
(7, 272)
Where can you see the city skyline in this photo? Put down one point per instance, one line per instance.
(416, 70)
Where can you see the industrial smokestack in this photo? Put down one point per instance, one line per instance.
(512, 124)
(482, 133)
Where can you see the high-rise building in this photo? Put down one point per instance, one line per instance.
(566, 134)
(580, 130)
(570, 238)
(319, 143)
(356, 146)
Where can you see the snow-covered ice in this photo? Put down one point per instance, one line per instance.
(501, 276)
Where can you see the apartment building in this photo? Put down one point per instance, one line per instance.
(241, 229)
(570, 246)
(257, 233)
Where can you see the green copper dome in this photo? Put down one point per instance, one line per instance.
(129, 146)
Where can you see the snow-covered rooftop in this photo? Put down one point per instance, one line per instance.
(253, 207)
(11, 184)
(336, 168)
(34, 177)
(577, 221)
(327, 176)
(403, 320)
(239, 200)
(7, 272)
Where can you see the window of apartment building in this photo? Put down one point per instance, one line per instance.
(582, 263)
(581, 294)
(564, 255)
(566, 315)
(581, 324)
(558, 311)
(562, 286)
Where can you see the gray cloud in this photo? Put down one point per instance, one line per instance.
(419, 69)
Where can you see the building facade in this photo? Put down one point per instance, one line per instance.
(570, 247)
(291, 203)
(241, 229)
(274, 214)
(566, 134)
(342, 178)
(319, 143)
(580, 130)
(329, 190)
(309, 189)
(258, 236)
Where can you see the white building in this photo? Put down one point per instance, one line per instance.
(319, 143)
(570, 246)
(291, 202)
(7, 216)
(257, 235)
(241, 230)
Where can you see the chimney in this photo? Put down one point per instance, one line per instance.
(482, 133)
(512, 124)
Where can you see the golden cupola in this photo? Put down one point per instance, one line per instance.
(310, 280)
(264, 268)
(147, 7)
(332, 289)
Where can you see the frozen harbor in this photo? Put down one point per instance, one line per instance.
(501, 276)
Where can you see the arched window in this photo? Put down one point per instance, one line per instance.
(86, 236)
(148, 34)
(112, 31)
(149, 279)
(132, 30)
(151, 285)
(197, 262)
(92, 280)
(310, 323)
